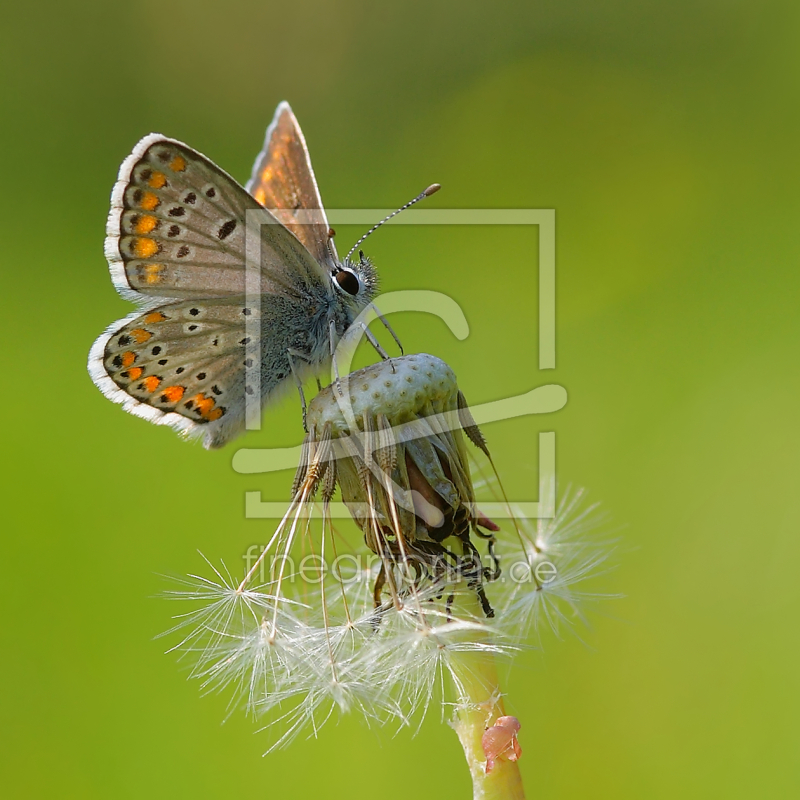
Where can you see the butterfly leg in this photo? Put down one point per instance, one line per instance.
(370, 336)
(332, 339)
(292, 355)
(388, 327)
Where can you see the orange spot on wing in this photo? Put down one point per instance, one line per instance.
(152, 273)
(141, 335)
(203, 404)
(134, 373)
(215, 414)
(145, 224)
(145, 248)
(149, 202)
(151, 383)
(260, 195)
(128, 357)
(158, 180)
(155, 316)
(267, 173)
(178, 164)
(174, 393)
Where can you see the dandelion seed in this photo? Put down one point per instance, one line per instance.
(551, 564)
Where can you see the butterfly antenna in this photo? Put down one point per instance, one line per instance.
(432, 189)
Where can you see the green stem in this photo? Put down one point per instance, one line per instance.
(479, 705)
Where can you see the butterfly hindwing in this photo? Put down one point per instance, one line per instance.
(194, 364)
(177, 229)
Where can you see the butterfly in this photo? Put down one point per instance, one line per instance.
(200, 346)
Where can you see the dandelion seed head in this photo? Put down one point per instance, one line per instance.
(394, 638)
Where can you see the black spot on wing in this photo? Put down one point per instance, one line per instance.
(227, 229)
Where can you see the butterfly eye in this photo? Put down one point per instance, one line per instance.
(348, 281)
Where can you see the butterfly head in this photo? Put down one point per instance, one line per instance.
(356, 280)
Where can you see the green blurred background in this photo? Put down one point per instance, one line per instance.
(665, 135)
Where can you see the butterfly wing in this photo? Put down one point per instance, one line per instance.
(191, 365)
(177, 229)
(283, 181)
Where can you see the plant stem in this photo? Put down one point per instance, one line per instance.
(479, 705)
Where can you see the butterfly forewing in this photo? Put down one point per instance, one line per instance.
(283, 181)
(177, 229)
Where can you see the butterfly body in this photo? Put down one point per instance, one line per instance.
(178, 244)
